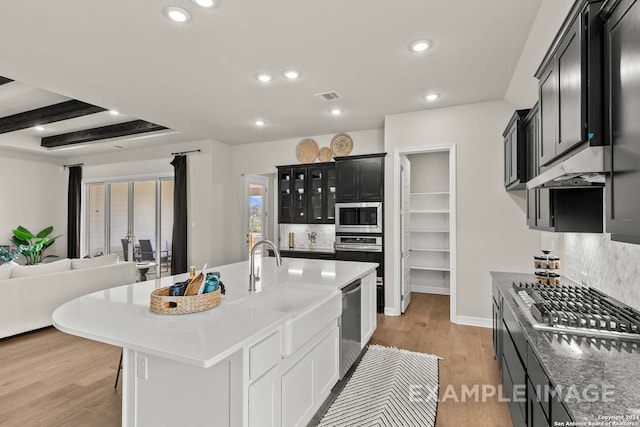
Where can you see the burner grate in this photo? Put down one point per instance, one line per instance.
(580, 309)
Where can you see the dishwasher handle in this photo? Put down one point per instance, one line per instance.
(352, 288)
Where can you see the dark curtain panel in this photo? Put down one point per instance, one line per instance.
(179, 246)
(73, 211)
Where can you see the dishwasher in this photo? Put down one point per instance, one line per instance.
(350, 326)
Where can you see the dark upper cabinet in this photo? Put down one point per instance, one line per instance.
(515, 152)
(322, 194)
(285, 194)
(569, 210)
(306, 194)
(570, 84)
(360, 178)
(622, 103)
(548, 115)
(299, 208)
(555, 209)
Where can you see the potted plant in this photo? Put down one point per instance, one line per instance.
(32, 245)
(312, 239)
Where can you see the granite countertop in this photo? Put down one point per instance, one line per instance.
(595, 378)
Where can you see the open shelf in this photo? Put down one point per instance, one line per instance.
(431, 193)
(415, 267)
(430, 249)
(429, 231)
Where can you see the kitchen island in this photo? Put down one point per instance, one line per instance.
(267, 358)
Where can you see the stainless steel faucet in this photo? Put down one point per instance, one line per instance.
(253, 278)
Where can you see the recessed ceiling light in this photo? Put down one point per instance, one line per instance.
(206, 3)
(259, 122)
(291, 74)
(177, 14)
(264, 77)
(431, 97)
(336, 111)
(420, 45)
(114, 112)
(39, 128)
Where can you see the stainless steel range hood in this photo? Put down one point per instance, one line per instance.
(585, 167)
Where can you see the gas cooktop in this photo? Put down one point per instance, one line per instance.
(576, 310)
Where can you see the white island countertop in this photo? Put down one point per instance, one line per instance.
(121, 316)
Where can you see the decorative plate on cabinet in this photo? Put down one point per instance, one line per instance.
(307, 151)
(324, 155)
(341, 145)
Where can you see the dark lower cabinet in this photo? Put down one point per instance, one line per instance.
(530, 394)
(622, 102)
(360, 178)
(535, 412)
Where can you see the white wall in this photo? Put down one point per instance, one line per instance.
(208, 188)
(491, 225)
(523, 88)
(429, 172)
(34, 195)
(262, 158)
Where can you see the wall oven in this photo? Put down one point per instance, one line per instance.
(364, 217)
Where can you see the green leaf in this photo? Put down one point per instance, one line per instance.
(20, 234)
(19, 242)
(45, 232)
(24, 230)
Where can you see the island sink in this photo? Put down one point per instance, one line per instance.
(309, 311)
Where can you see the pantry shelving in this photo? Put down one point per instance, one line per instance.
(430, 242)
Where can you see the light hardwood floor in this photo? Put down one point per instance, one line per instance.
(48, 378)
(467, 354)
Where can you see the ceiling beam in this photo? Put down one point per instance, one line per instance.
(104, 132)
(4, 80)
(49, 114)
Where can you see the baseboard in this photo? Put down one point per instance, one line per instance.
(424, 289)
(474, 321)
(390, 311)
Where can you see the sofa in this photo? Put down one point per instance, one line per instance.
(31, 293)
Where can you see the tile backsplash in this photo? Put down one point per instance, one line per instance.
(326, 235)
(612, 267)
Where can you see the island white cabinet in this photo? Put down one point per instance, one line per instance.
(308, 379)
(368, 308)
(264, 400)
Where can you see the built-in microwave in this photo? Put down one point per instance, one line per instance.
(362, 217)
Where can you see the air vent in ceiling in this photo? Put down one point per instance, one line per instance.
(329, 96)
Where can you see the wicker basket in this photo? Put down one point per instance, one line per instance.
(162, 303)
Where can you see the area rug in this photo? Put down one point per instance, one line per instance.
(390, 387)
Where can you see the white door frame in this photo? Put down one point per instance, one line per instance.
(259, 180)
(451, 149)
(405, 221)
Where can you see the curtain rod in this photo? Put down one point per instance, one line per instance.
(77, 164)
(186, 152)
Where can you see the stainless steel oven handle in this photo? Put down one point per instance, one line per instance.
(358, 248)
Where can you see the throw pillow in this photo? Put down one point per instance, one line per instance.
(79, 264)
(35, 270)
